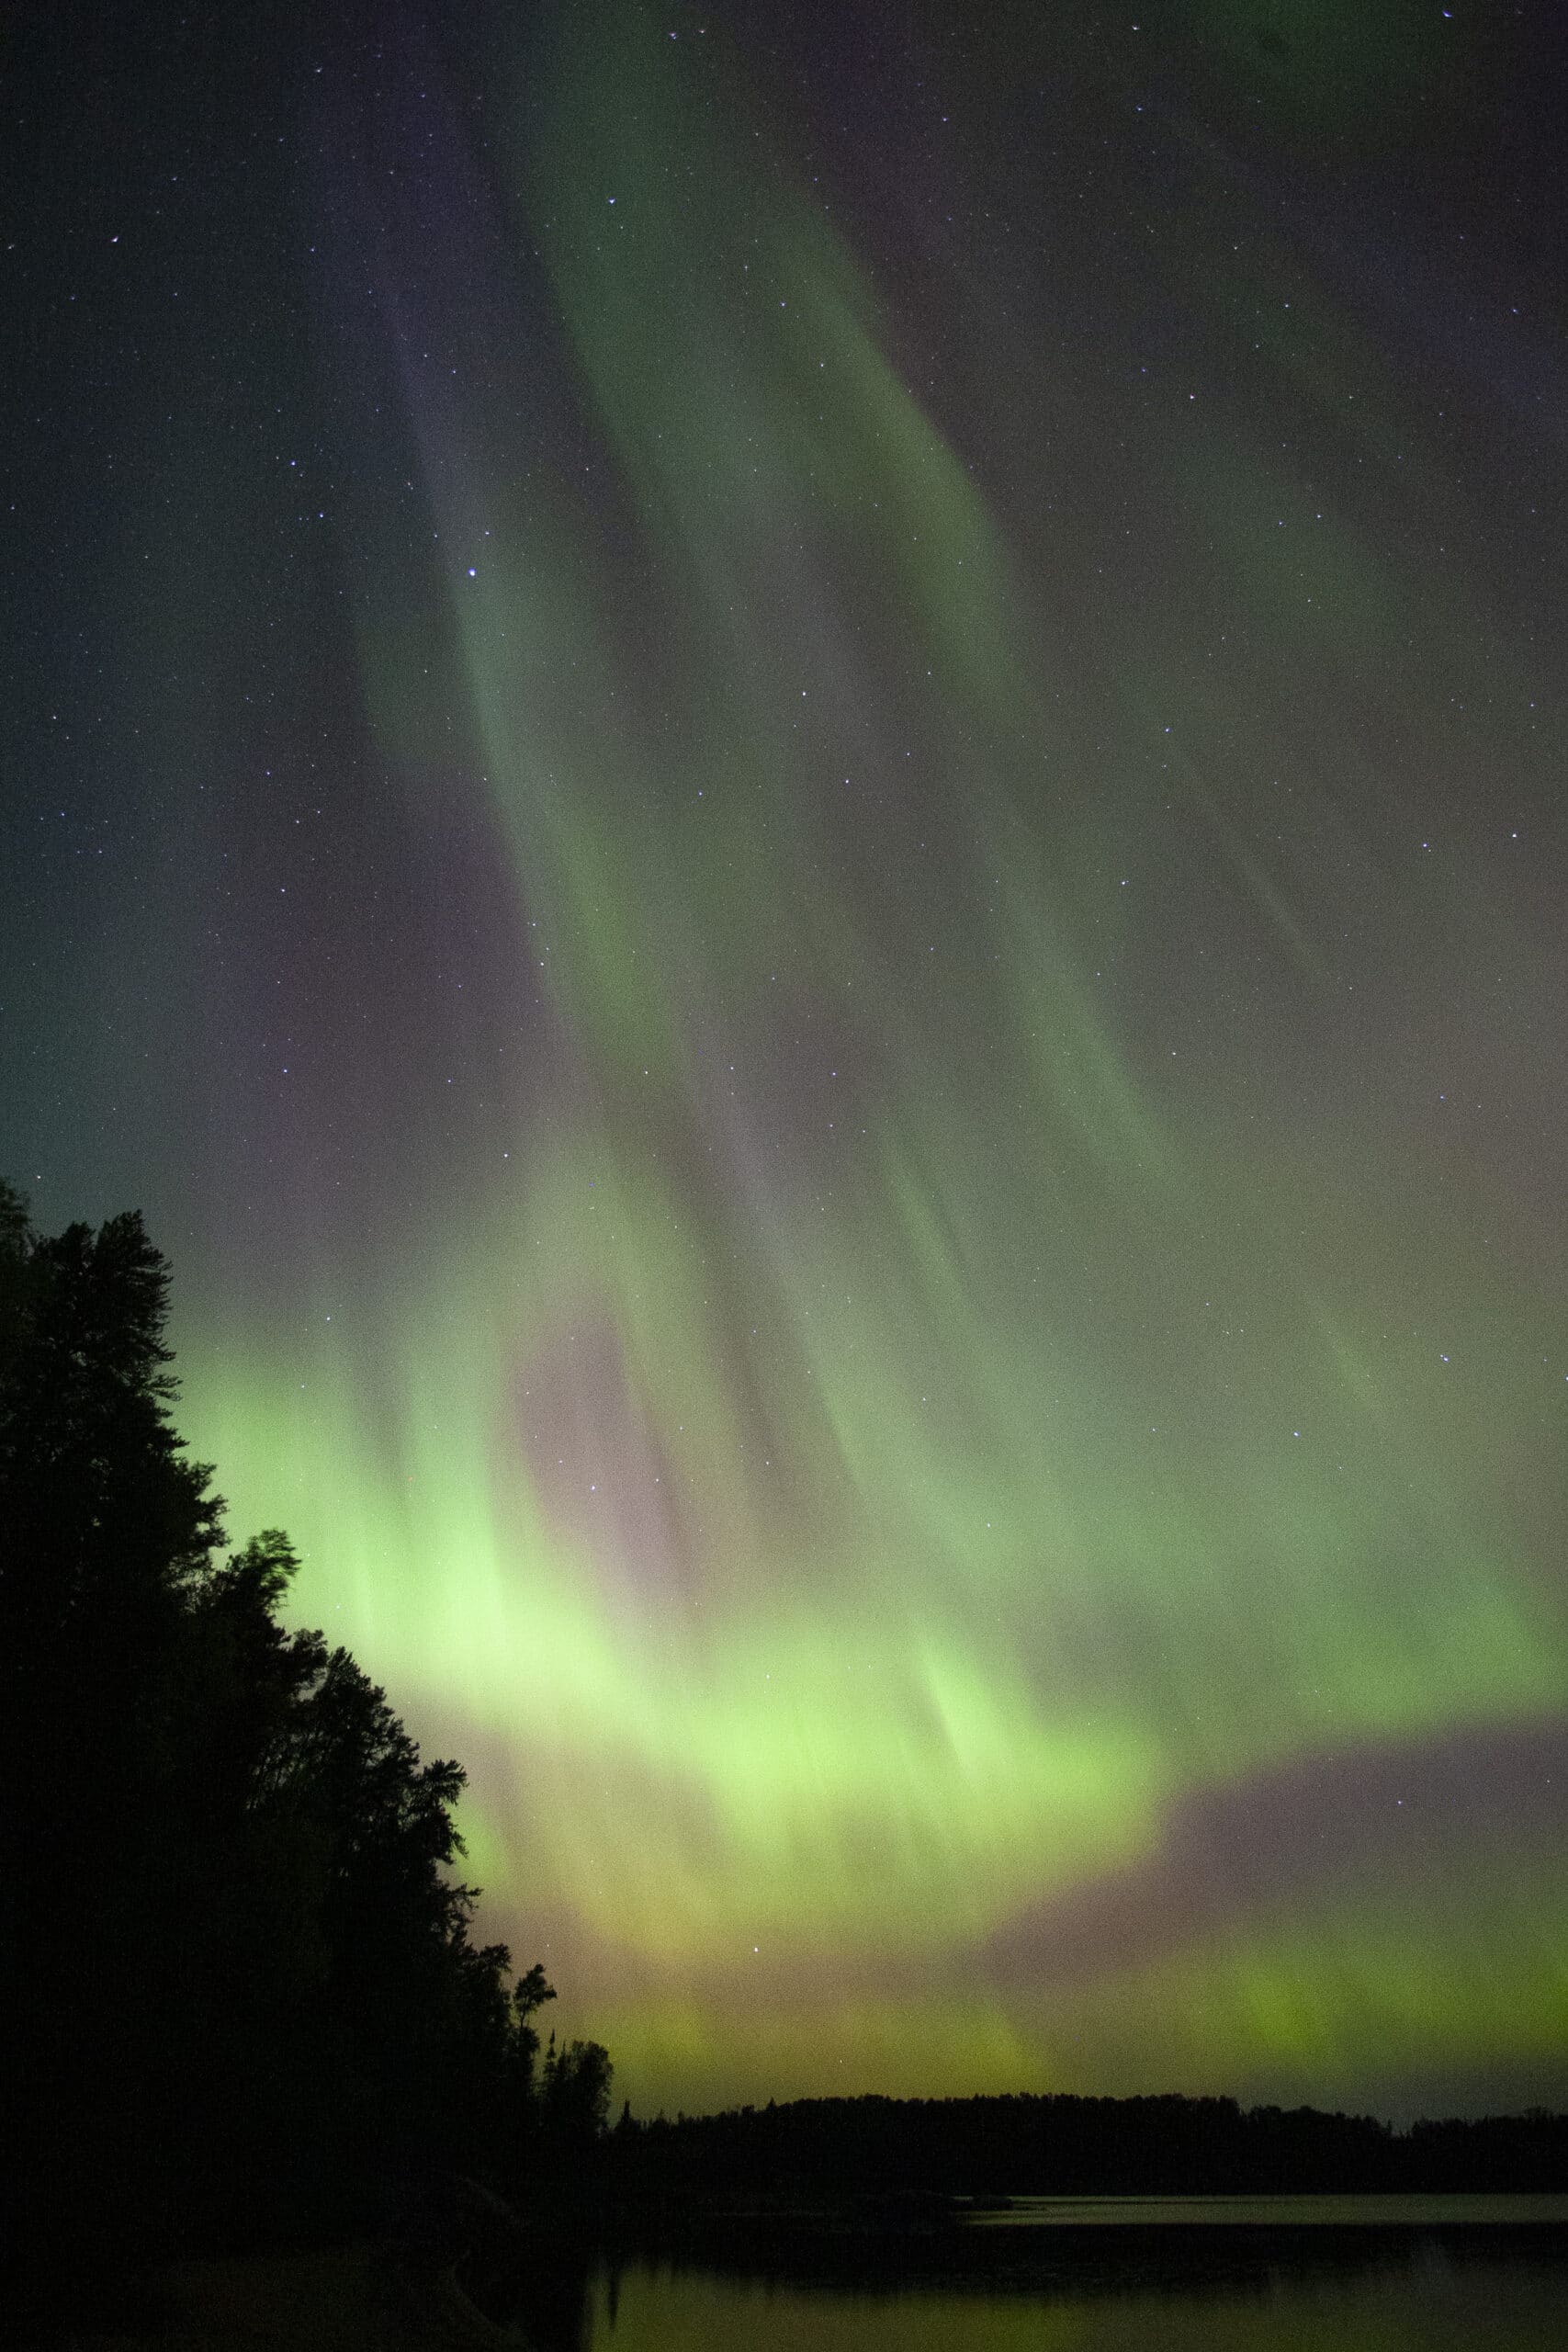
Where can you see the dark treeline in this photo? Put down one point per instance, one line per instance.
(1061, 2145)
(240, 1989)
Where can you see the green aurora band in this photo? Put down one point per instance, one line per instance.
(909, 1419)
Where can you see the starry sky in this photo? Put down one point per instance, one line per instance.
(787, 780)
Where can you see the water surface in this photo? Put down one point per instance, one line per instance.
(1275, 2213)
(1436, 2303)
(1127, 2273)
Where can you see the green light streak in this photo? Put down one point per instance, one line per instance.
(882, 1440)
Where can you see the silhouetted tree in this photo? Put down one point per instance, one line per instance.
(529, 1995)
(108, 1532)
(576, 2097)
(236, 1971)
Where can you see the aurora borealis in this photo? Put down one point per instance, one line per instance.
(788, 784)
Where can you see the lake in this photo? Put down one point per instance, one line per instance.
(1123, 2275)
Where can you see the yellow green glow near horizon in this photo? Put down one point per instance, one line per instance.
(928, 1394)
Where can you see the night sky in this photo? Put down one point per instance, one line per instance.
(787, 781)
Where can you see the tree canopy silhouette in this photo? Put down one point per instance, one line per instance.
(238, 1971)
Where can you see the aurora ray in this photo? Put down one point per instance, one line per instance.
(851, 990)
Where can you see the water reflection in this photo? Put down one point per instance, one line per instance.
(1429, 2301)
(1358, 2212)
(1264, 2275)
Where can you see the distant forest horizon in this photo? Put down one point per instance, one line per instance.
(1068, 2144)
